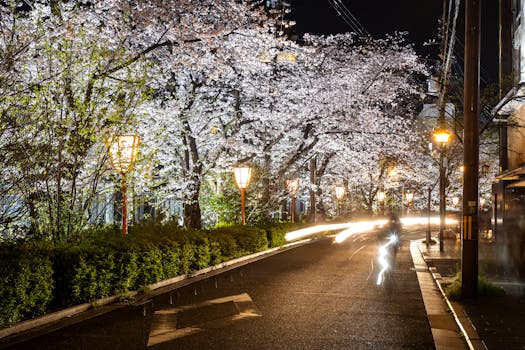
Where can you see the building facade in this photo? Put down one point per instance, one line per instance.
(508, 192)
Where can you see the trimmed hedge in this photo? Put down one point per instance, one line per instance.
(39, 276)
(26, 285)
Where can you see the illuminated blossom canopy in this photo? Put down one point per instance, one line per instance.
(207, 86)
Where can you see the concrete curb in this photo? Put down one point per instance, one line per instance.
(461, 318)
(77, 309)
(445, 331)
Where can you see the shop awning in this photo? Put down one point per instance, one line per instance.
(512, 174)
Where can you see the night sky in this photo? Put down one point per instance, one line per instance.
(417, 17)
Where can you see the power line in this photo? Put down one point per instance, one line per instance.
(343, 11)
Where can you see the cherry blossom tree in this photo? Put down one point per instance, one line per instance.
(83, 72)
(207, 86)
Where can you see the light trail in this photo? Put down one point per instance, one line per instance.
(382, 258)
(290, 236)
(352, 228)
(358, 227)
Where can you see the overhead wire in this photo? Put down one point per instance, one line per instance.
(343, 11)
(351, 16)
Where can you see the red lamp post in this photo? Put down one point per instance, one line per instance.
(242, 176)
(339, 193)
(292, 186)
(381, 198)
(122, 150)
(410, 200)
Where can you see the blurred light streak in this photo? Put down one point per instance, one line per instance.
(352, 228)
(358, 227)
(383, 252)
(434, 220)
(290, 236)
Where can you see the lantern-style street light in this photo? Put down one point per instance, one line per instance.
(410, 200)
(122, 150)
(381, 198)
(455, 201)
(242, 176)
(339, 194)
(441, 136)
(292, 186)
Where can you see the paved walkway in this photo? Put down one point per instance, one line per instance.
(491, 322)
(445, 330)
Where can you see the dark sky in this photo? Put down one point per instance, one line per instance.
(417, 17)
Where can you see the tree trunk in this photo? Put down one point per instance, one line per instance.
(312, 215)
(266, 191)
(192, 209)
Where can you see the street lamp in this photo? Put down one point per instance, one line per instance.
(441, 136)
(410, 200)
(381, 198)
(122, 150)
(339, 194)
(242, 176)
(292, 186)
(455, 201)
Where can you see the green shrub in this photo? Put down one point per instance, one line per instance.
(276, 232)
(26, 286)
(38, 275)
(186, 258)
(151, 269)
(250, 239)
(84, 281)
(125, 271)
(485, 288)
(201, 255)
(224, 243)
(171, 259)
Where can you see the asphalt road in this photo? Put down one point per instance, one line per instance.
(321, 295)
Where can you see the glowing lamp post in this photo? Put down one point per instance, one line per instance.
(293, 187)
(441, 136)
(242, 175)
(339, 194)
(122, 150)
(381, 198)
(410, 200)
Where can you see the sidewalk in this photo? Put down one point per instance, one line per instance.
(498, 321)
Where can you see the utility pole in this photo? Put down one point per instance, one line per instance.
(469, 231)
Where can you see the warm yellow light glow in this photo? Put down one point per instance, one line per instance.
(122, 150)
(441, 136)
(290, 236)
(287, 57)
(292, 186)
(265, 58)
(339, 192)
(392, 172)
(410, 197)
(242, 175)
(455, 201)
(358, 227)
(462, 168)
(352, 228)
(380, 196)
